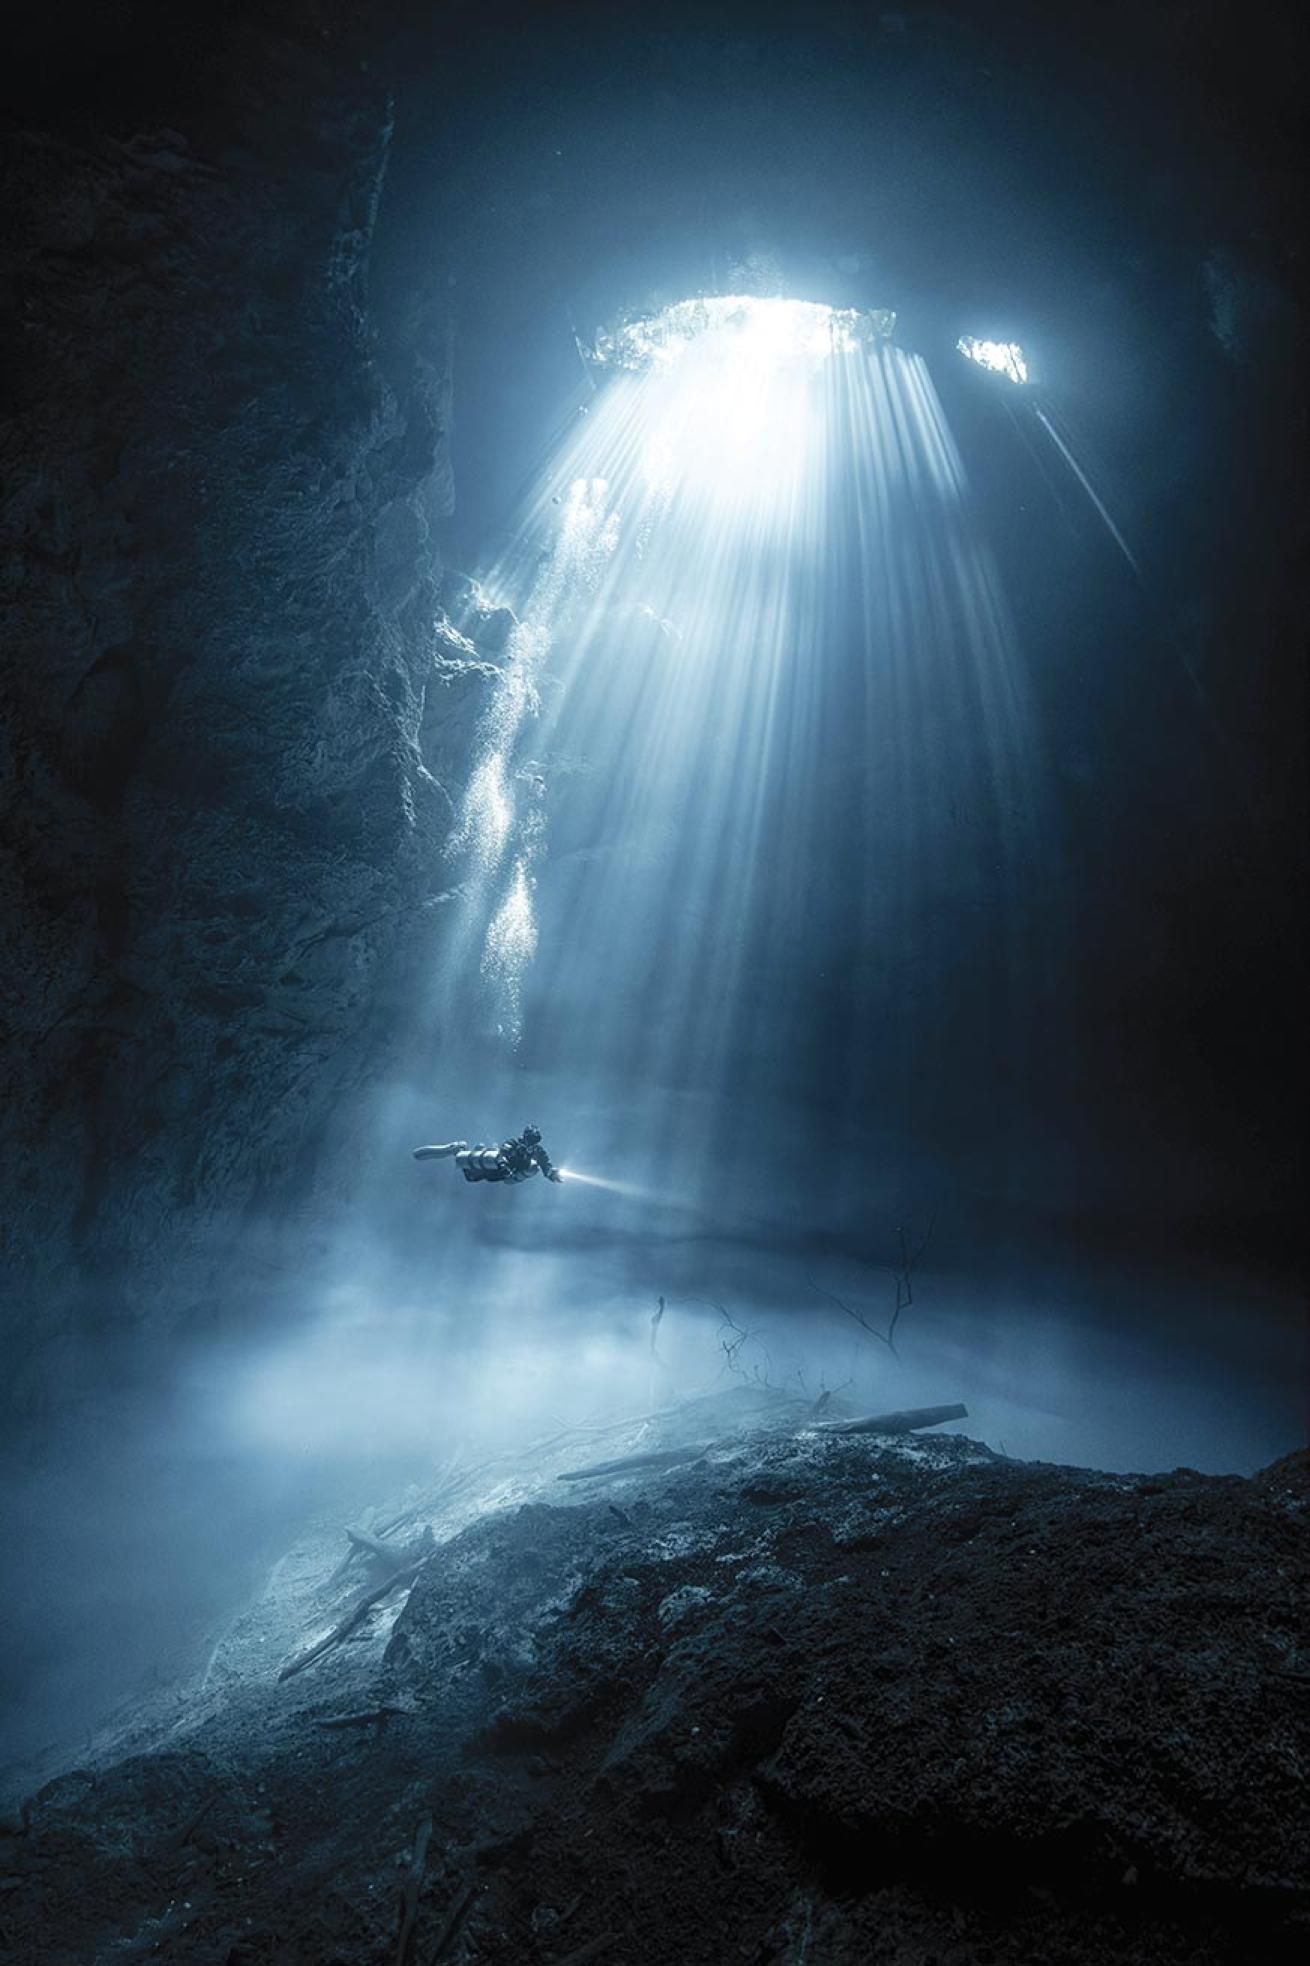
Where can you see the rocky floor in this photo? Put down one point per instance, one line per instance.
(809, 1697)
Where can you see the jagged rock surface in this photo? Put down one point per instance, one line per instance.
(814, 1698)
(222, 831)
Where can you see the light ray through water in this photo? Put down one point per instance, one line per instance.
(804, 784)
(1097, 501)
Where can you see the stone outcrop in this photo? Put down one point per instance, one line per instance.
(816, 1696)
(222, 837)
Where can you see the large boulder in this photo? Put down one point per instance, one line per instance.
(812, 1696)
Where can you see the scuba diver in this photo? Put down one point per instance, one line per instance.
(515, 1160)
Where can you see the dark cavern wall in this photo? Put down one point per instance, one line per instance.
(222, 804)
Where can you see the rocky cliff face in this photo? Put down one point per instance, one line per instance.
(222, 836)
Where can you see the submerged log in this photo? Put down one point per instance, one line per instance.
(389, 1556)
(906, 1422)
(352, 1619)
(398, 1556)
(669, 1457)
(392, 1553)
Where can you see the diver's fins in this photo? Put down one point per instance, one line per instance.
(440, 1153)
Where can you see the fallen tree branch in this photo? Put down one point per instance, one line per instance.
(409, 1897)
(668, 1457)
(396, 1556)
(907, 1421)
(454, 1483)
(452, 1486)
(353, 1618)
(391, 1553)
(458, 1483)
(454, 1925)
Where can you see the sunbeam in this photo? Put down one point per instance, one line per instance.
(757, 618)
(1097, 501)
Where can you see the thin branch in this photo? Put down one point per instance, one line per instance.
(454, 1925)
(903, 1276)
(731, 1345)
(858, 1317)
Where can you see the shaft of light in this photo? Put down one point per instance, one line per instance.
(767, 671)
(1088, 487)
